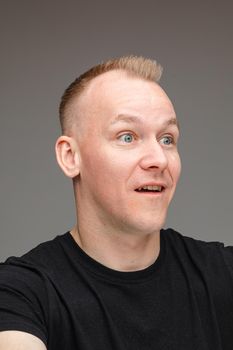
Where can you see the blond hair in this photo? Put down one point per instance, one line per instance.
(136, 66)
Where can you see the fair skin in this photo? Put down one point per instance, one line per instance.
(125, 138)
(15, 340)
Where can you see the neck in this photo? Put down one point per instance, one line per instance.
(119, 251)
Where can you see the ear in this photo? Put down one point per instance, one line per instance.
(67, 155)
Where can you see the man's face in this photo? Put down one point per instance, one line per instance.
(129, 163)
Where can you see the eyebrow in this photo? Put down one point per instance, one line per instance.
(134, 119)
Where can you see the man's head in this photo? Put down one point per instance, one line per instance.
(140, 67)
(121, 149)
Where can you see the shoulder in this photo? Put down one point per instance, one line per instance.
(41, 258)
(207, 255)
(33, 271)
(48, 250)
(179, 239)
(27, 288)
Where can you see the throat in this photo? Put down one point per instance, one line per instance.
(121, 252)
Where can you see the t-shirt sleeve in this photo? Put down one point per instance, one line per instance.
(22, 299)
(227, 255)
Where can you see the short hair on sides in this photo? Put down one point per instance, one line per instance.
(136, 66)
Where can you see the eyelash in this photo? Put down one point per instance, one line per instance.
(172, 141)
(127, 134)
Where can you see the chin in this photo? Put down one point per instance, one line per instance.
(141, 222)
(147, 227)
(152, 226)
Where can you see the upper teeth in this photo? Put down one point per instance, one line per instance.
(151, 188)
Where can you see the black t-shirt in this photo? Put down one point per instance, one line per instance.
(184, 301)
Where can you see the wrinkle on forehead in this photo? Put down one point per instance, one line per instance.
(135, 119)
(106, 90)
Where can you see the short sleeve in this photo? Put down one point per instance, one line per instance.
(22, 299)
(227, 255)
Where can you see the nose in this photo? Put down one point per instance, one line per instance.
(154, 157)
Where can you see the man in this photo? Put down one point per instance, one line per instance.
(117, 280)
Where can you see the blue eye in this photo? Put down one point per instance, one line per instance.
(128, 138)
(167, 140)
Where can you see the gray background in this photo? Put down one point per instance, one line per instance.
(46, 44)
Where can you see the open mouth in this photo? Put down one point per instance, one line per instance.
(151, 189)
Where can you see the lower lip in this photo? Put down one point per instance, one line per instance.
(151, 193)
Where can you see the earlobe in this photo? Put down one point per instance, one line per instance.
(67, 155)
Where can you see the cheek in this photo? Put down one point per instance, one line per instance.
(175, 166)
(101, 167)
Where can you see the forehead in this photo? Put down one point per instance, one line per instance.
(116, 93)
(117, 83)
